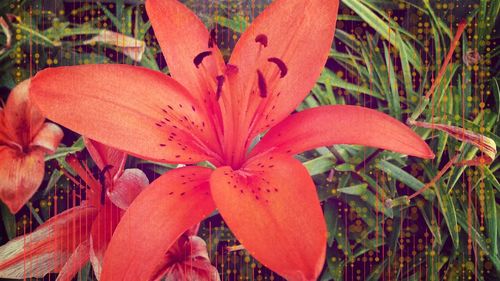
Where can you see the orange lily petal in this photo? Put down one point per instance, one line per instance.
(278, 220)
(102, 229)
(299, 34)
(158, 216)
(48, 248)
(342, 124)
(20, 176)
(22, 120)
(104, 155)
(126, 188)
(75, 262)
(169, 19)
(134, 109)
(48, 137)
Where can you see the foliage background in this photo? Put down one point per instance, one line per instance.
(386, 55)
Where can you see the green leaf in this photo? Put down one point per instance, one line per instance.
(478, 238)
(54, 178)
(490, 207)
(331, 78)
(331, 218)
(319, 165)
(358, 189)
(61, 152)
(237, 24)
(335, 264)
(491, 178)
(449, 212)
(404, 177)
(405, 66)
(9, 221)
(115, 20)
(393, 95)
(427, 213)
(383, 29)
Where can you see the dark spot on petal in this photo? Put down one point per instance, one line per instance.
(162, 144)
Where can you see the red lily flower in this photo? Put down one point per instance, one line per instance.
(188, 259)
(25, 138)
(213, 111)
(69, 240)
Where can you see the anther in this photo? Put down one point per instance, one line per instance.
(212, 40)
(199, 58)
(262, 84)
(220, 83)
(280, 64)
(262, 39)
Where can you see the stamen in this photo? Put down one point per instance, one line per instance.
(262, 39)
(212, 40)
(199, 58)
(262, 84)
(280, 64)
(102, 181)
(220, 83)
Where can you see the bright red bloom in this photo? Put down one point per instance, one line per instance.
(187, 259)
(69, 240)
(212, 111)
(25, 138)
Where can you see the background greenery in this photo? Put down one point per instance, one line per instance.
(386, 55)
